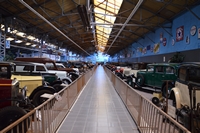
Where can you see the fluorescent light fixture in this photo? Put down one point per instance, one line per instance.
(28, 43)
(33, 45)
(18, 41)
(31, 37)
(21, 34)
(9, 38)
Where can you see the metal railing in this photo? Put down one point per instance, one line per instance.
(47, 117)
(148, 117)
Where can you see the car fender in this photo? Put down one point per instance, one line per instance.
(177, 95)
(56, 82)
(68, 79)
(42, 87)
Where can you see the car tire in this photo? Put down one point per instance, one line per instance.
(65, 81)
(170, 86)
(58, 87)
(140, 80)
(37, 99)
(10, 114)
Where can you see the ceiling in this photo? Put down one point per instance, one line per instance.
(73, 24)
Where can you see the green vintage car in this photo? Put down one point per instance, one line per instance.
(156, 76)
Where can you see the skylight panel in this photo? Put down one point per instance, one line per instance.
(105, 11)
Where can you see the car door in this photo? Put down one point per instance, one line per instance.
(159, 76)
(149, 76)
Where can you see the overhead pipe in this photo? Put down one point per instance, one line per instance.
(35, 12)
(127, 20)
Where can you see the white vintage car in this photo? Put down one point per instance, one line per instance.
(39, 68)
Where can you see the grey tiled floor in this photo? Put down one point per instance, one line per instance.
(99, 109)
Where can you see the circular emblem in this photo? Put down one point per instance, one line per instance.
(164, 41)
(193, 30)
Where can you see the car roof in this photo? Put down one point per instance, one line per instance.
(197, 64)
(3, 63)
(34, 59)
(28, 63)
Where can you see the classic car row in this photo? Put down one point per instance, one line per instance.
(183, 81)
(153, 75)
(24, 81)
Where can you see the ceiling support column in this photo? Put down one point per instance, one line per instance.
(2, 46)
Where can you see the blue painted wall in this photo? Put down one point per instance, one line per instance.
(186, 19)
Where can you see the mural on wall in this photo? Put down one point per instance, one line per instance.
(179, 33)
(156, 48)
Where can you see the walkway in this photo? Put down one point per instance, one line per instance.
(98, 109)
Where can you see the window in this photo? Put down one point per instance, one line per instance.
(28, 68)
(170, 70)
(40, 68)
(182, 74)
(194, 75)
(150, 68)
(159, 69)
(50, 66)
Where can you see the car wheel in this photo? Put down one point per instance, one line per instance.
(10, 114)
(140, 80)
(170, 86)
(129, 81)
(65, 81)
(37, 99)
(58, 87)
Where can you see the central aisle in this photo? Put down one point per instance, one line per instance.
(98, 109)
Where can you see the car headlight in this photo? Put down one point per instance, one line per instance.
(22, 93)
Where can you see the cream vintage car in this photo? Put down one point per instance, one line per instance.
(36, 86)
(187, 72)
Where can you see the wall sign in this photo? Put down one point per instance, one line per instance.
(193, 30)
(173, 41)
(179, 33)
(199, 33)
(164, 41)
(187, 39)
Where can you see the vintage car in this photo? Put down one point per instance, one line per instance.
(50, 64)
(51, 77)
(76, 71)
(186, 96)
(157, 76)
(35, 84)
(187, 72)
(13, 100)
(131, 72)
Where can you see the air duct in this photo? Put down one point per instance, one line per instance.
(84, 15)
